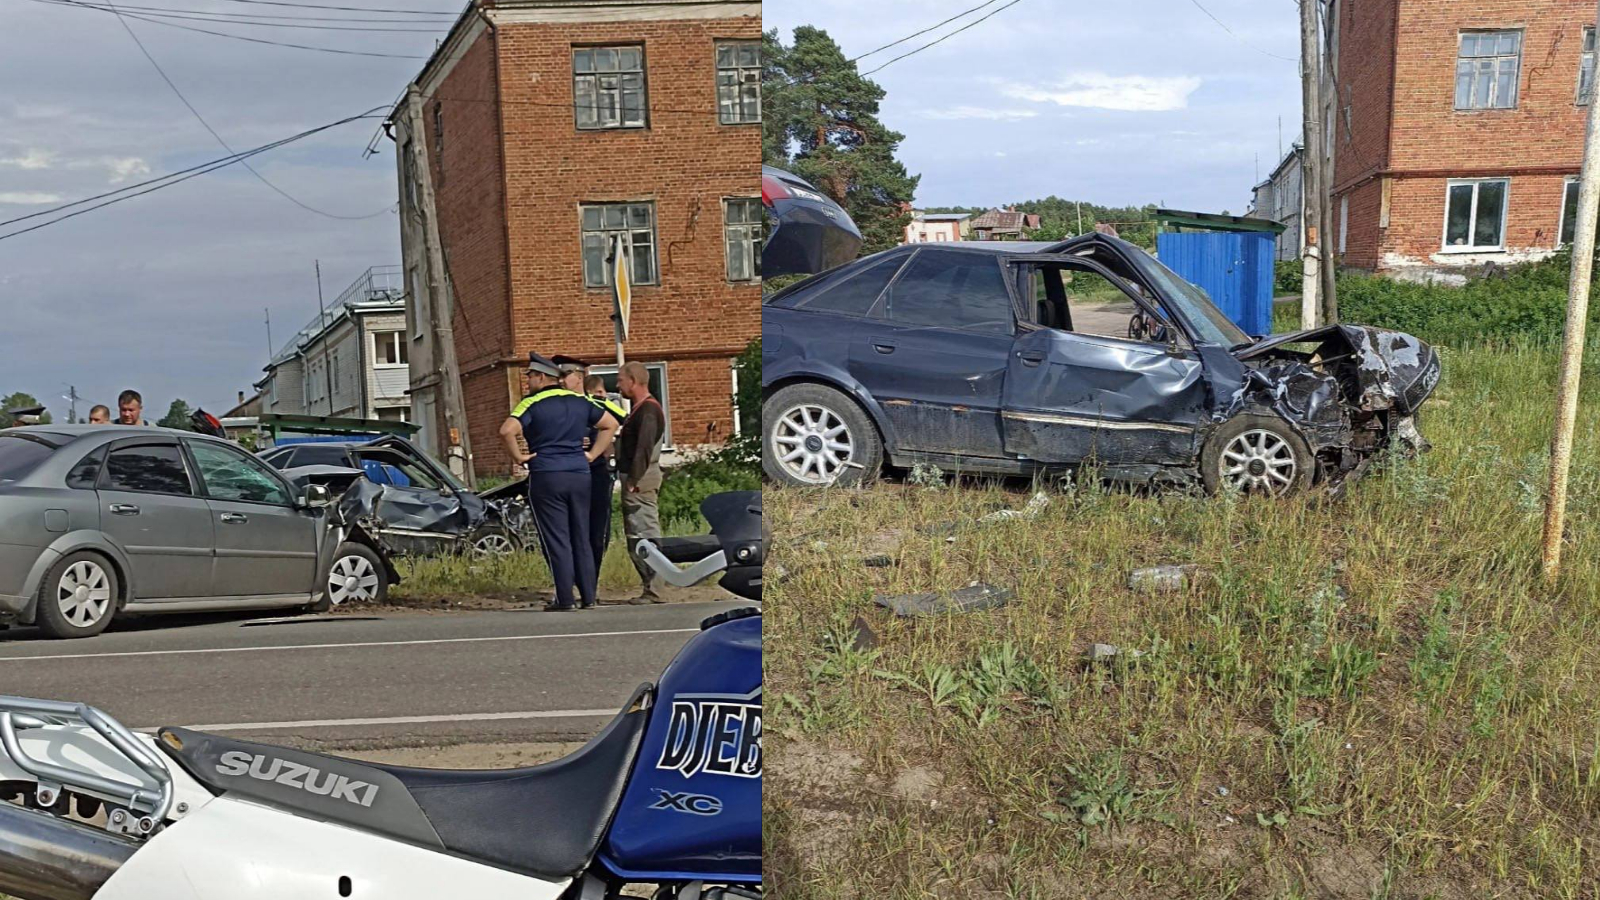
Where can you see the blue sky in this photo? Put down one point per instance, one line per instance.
(166, 293)
(1136, 101)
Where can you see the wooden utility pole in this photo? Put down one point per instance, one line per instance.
(322, 328)
(1555, 510)
(1333, 228)
(1311, 157)
(441, 306)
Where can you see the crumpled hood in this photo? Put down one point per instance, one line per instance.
(1393, 370)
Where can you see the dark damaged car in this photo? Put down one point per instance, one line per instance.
(1020, 358)
(413, 505)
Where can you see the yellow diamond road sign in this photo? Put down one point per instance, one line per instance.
(622, 287)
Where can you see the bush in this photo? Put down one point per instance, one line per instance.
(728, 469)
(1286, 276)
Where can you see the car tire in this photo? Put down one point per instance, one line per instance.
(494, 541)
(356, 575)
(1256, 455)
(836, 443)
(78, 596)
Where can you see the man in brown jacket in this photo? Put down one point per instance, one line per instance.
(639, 465)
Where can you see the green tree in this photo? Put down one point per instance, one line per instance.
(748, 365)
(19, 400)
(177, 416)
(820, 121)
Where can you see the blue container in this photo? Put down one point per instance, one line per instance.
(1235, 268)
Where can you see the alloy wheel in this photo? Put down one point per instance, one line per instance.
(1258, 461)
(813, 443)
(84, 593)
(352, 578)
(494, 544)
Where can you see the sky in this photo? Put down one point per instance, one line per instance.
(1123, 103)
(169, 293)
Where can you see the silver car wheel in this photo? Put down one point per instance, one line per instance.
(813, 443)
(1258, 461)
(494, 544)
(352, 578)
(84, 593)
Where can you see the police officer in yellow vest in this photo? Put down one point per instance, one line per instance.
(554, 423)
(575, 377)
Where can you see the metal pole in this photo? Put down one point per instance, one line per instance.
(1310, 167)
(1555, 512)
(322, 326)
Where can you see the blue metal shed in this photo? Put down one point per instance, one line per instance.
(1230, 257)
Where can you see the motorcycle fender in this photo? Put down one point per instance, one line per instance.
(233, 850)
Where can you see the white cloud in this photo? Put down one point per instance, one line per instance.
(28, 198)
(1096, 90)
(978, 112)
(32, 159)
(126, 168)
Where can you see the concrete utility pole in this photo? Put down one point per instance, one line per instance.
(1332, 228)
(441, 312)
(1555, 510)
(1310, 167)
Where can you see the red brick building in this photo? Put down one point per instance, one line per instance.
(550, 127)
(1459, 130)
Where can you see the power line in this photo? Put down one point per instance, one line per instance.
(943, 38)
(924, 31)
(227, 16)
(207, 126)
(168, 180)
(1224, 26)
(240, 37)
(408, 12)
(203, 17)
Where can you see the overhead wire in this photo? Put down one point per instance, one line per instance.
(942, 38)
(241, 37)
(1224, 26)
(243, 22)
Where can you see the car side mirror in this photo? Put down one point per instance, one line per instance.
(316, 496)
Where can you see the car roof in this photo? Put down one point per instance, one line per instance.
(110, 432)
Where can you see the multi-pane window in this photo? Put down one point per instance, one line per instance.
(1475, 214)
(742, 234)
(608, 87)
(1586, 67)
(1569, 213)
(389, 348)
(739, 82)
(1488, 65)
(603, 223)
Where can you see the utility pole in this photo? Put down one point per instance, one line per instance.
(441, 315)
(1310, 167)
(1080, 217)
(322, 326)
(1555, 510)
(1332, 228)
(270, 349)
(72, 399)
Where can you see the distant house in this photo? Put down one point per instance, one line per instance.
(925, 227)
(1003, 225)
(349, 362)
(1280, 198)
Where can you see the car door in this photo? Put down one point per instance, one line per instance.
(938, 364)
(150, 506)
(266, 544)
(1072, 396)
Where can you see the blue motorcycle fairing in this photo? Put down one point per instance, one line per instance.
(692, 807)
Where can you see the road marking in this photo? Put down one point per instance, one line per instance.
(404, 720)
(349, 645)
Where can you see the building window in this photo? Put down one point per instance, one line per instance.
(388, 349)
(741, 218)
(438, 128)
(1586, 67)
(603, 223)
(1488, 66)
(739, 82)
(1344, 222)
(1475, 214)
(1569, 213)
(658, 390)
(333, 369)
(608, 89)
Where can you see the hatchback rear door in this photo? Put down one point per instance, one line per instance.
(150, 506)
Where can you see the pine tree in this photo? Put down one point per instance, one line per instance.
(820, 121)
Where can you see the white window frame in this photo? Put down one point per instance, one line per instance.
(1472, 216)
(1561, 220)
(1344, 219)
(610, 233)
(398, 338)
(1516, 82)
(665, 397)
(752, 234)
(731, 112)
(595, 78)
(1586, 64)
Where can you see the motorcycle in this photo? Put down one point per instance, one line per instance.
(668, 794)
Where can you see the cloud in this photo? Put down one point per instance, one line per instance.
(1096, 90)
(28, 198)
(978, 112)
(128, 167)
(32, 159)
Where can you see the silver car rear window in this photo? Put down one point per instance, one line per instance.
(21, 454)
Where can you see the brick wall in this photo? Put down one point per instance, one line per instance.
(525, 156)
(1422, 141)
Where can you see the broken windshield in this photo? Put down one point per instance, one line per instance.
(1210, 325)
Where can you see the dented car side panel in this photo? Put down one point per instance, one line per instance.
(939, 388)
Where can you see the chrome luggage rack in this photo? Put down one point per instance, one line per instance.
(146, 806)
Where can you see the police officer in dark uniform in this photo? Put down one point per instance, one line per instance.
(575, 377)
(553, 422)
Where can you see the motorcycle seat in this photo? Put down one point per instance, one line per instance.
(546, 821)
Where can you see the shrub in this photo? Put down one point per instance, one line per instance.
(728, 469)
(1286, 275)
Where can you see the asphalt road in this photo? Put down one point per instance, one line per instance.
(391, 679)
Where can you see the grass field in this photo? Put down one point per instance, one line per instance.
(1371, 698)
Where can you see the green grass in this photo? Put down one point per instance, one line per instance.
(1378, 697)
